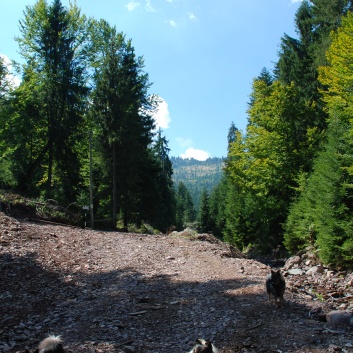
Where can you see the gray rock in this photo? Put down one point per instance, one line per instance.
(295, 271)
(339, 318)
(293, 261)
(315, 270)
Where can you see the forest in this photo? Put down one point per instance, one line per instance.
(198, 176)
(79, 129)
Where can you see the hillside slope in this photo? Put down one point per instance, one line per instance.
(114, 292)
(197, 175)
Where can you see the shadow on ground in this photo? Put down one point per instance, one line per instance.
(111, 310)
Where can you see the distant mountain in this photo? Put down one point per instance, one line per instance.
(197, 175)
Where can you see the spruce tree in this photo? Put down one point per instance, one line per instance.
(232, 134)
(185, 212)
(321, 217)
(52, 97)
(123, 110)
(218, 206)
(204, 212)
(164, 202)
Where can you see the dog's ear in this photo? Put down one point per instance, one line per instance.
(208, 344)
(200, 341)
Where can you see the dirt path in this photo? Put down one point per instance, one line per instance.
(114, 292)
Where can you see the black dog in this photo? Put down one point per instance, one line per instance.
(275, 285)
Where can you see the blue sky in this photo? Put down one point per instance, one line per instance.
(201, 56)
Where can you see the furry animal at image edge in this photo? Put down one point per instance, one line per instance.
(203, 346)
(51, 344)
(275, 285)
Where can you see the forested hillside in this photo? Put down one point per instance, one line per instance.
(197, 175)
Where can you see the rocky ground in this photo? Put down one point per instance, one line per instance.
(116, 292)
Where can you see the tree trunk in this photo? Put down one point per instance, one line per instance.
(114, 206)
(50, 173)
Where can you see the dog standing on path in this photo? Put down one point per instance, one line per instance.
(275, 285)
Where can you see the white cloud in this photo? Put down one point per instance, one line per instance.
(162, 116)
(294, 1)
(131, 6)
(13, 80)
(149, 6)
(200, 155)
(171, 23)
(192, 17)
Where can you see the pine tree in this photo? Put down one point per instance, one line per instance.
(218, 206)
(322, 215)
(52, 95)
(164, 198)
(204, 212)
(232, 134)
(295, 63)
(185, 212)
(326, 17)
(124, 113)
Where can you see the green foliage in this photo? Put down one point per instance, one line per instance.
(204, 212)
(326, 17)
(164, 200)
(268, 167)
(185, 212)
(217, 207)
(7, 178)
(232, 134)
(264, 164)
(123, 111)
(197, 175)
(49, 124)
(5, 82)
(322, 214)
(300, 229)
(49, 103)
